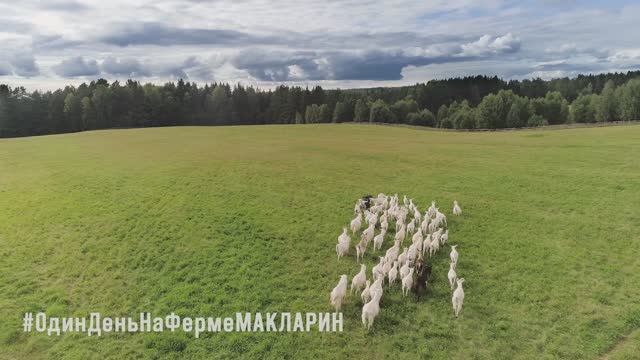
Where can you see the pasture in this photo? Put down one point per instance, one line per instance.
(214, 220)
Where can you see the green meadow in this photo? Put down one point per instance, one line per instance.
(210, 221)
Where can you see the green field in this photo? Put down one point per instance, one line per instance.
(210, 221)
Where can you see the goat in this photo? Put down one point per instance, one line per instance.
(393, 273)
(376, 271)
(456, 208)
(452, 274)
(402, 258)
(378, 239)
(359, 280)
(454, 254)
(404, 270)
(458, 297)
(407, 282)
(356, 223)
(361, 247)
(366, 295)
(392, 252)
(338, 293)
(367, 235)
(342, 249)
(444, 237)
(370, 310)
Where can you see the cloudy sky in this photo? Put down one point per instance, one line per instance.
(334, 43)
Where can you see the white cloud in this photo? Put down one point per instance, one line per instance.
(625, 57)
(488, 44)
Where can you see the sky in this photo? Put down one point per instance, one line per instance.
(332, 43)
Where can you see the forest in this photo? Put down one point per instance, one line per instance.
(477, 102)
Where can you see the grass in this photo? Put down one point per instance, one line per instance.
(210, 221)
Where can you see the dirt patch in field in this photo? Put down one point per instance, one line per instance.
(621, 344)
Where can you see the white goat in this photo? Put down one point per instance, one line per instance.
(412, 254)
(368, 233)
(444, 237)
(426, 245)
(401, 234)
(378, 239)
(432, 209)
(402, 258)
(456, 208)
(452, 274)
(393, 273)
(384, 217)
(417, 236)
(370, 310)
(387, 267)
(399, 224)
(407, 283)
(359, 280)
(373, 219)
(434, 247)
(392, 252)
(338, 293)
(344, 236)
(436, 236)
(454, 254)
(344, 241)
(458, 297)
(440, 219)
(366, 295)
(376, 271)
(356, 223)
(424, 226)
(418, 245)
(358, 207)
(361, 248)
(342, 249)
(376, 287)
(404, 270)
(384, 225)
(411, 227)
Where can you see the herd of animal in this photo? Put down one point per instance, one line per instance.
(427, 234)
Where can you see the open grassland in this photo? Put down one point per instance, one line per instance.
(210, 221)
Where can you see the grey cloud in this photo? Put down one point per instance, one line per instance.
(190, 68)
(5, 69)
(572, 50)
(370, 65)
(77, 66)
(275, 65)
(569, 67)
(153, 33)
(24, 64)
(47, 42)
(364, 65)
(566, 66)
(64, 5)
(13, 26)
(356, 40)
(124, 67)
(375, 65)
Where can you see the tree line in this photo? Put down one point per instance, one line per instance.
(461, 103)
